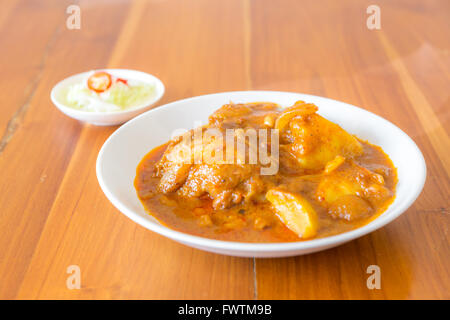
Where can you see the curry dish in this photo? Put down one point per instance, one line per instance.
(326, 181)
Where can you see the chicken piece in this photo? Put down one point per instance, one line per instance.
(214, 179)
(174, 166)
(350, 207)
(179, 171)
(295, 212)
(254, 115)
(226, 184)
(230, 113)
(178, 151)
(350, 191)
(174, 177)
(182, 154)
(313, 140)
(299, 109)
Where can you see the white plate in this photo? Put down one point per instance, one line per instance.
(113, 117)
(121, 153)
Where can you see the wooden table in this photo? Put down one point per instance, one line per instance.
(53, 213)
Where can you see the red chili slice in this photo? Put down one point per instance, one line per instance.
(124, 81)
(99, 81)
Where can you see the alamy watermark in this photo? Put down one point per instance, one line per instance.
(231, 146)
(73, 21)
(374, 280)
(374, 20)
(73, 281)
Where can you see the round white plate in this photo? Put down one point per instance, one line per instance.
(121, 153)
(113, 117)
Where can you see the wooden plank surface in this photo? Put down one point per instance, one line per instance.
(53, 213)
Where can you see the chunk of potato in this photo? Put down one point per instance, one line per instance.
(331, 188)
(295, 212)
(318, 141)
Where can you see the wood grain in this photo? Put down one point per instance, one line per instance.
(53, 213)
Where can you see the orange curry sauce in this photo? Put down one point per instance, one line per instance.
(354, 193)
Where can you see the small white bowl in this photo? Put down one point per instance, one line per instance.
(124, 149)
(113, 117)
